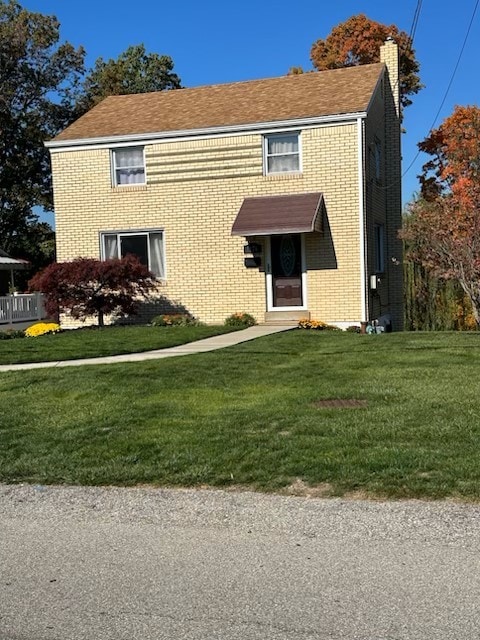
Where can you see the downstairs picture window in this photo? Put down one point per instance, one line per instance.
(147, 246)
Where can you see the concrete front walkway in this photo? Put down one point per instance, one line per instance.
(200, 346)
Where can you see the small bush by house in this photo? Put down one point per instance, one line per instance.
(174, 320)
(240, 319)
(11, 334)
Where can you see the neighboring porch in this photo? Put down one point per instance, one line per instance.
(19, 310)
(8, 266)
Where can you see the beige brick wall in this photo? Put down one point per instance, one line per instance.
(194, 191)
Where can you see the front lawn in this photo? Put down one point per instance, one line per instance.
(93, 342)
(249, 416)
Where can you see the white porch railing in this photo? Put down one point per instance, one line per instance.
(21, 307)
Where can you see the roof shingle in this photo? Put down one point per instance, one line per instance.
(316, 94)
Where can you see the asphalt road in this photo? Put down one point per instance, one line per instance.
(127, 564)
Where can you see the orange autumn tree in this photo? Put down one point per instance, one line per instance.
(455, 163)
(442, 227)
(357, 41)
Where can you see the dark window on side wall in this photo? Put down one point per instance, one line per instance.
(379, 246)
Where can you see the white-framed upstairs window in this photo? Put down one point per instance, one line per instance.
(281, 153)
(128, 166)
(379, 247)
(147, 246)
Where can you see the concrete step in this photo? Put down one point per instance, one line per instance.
(287, 318)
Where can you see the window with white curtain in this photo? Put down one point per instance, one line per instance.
(282, 153)
(128, 166)
(146, 245)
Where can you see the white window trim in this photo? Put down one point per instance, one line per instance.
(137, 232)
(113, 166)
(265, 139)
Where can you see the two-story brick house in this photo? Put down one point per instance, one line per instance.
(278, 197)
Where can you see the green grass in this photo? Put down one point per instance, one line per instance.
(245, 416)
(94, 342)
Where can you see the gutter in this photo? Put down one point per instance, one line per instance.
(206, 132)
(361, 219)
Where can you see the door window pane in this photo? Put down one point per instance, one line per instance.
(286, 254)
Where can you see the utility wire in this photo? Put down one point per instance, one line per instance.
(447, 90)
(413, 28)
(411, 36)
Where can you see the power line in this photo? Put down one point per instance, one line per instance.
(411, 36)
(447, 90)
(413, 28)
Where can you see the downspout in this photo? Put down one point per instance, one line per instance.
(361, 221)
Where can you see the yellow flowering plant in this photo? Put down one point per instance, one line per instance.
(318, 325)
(41, 329)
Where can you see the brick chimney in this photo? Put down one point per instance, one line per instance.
(389, 55)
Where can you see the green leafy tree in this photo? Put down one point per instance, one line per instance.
(134, 71)
(38, 81)
(357, 41)
(434, 304)
(443, 236)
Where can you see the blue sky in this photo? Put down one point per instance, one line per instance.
(218, 41)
